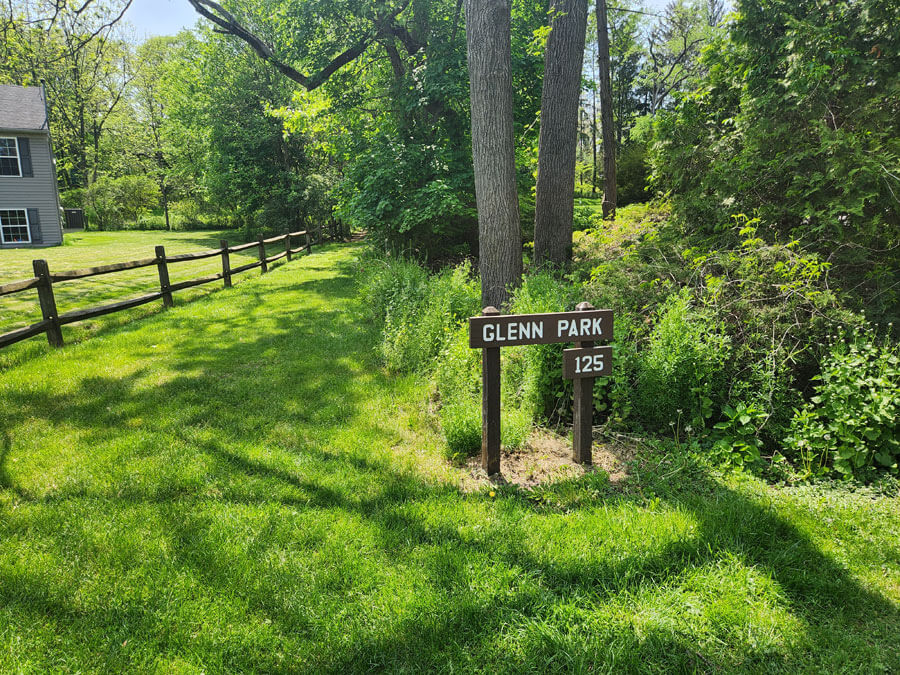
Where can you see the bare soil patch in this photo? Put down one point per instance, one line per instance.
(547, 458)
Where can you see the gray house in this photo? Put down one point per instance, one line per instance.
(29, 200)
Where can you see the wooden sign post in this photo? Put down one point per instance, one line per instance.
(493, 330)
(583, 404)
(490, 404)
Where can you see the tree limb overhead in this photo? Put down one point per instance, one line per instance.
(227, 23)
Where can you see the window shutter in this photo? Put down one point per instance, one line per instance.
(34, 224)
(25, 157)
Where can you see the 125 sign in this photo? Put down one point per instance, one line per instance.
(586, 362)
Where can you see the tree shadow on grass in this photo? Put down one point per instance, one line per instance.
(244, 440)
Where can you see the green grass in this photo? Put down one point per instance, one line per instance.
(234, 485)
(595, 205)
(89, 249)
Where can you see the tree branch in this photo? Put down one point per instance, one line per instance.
(227, 23)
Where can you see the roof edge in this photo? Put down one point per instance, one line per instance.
(24, 131)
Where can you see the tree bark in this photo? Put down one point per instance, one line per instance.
(555, 195)
(594, 129)
(493, 149)
(606, 114)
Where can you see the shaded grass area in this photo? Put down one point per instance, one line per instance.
(235, 485)
(90, 249)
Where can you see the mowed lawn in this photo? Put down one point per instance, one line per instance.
(234, 485)
(90, 249)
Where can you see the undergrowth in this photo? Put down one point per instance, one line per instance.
(724, 348)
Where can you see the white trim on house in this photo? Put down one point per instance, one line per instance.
(15, 140)
(27, 227)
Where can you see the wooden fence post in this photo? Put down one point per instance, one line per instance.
(583, 414)
(163, 276)
(226, 263)
(262, 256)
(490, 404)
(308, 241)
(287, 245)
(48, 302)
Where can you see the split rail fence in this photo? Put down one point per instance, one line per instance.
(52, 322)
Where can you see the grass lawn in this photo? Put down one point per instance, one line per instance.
(89, 249)
(234, 485)
(590, 203)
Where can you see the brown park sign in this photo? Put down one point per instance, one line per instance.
(587, 362)
(587, 325)
(540, 329)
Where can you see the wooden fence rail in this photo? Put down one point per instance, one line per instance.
(52, 321)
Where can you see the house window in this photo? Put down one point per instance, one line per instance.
(14, 226)
(9, 157)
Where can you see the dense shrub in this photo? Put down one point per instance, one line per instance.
(417, 310)
(853, 421)
(423, 329)
(796, 121)
(779, 305)
(713, 345)
(630, 264)
(632, 174)
(72, 199)
(115, 203)
(402, 193)
(769, 306)
(681, 372)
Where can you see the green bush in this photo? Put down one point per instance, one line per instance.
(387, 282)
(632, 174)
(681, 371)
(457, 373)
(118, 202)
(614, 393)
(715, 345)
(72, 199)
(417, 311)
(736, 438)
(774, 302)
(778, 305)
(853, 420)
(423, 329)
(795, 120)
(411, 201)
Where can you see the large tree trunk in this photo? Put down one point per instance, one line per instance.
(606, 114)
(493, 151)
(555, 196)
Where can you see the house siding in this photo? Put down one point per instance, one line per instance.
(38, 192)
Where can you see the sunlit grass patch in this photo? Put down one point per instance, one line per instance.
(235, 485)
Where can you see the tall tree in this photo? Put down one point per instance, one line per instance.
(493, 150)
(606, 113)
(673, 46)
(555, 194)
(155, 57)
(86, 67)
